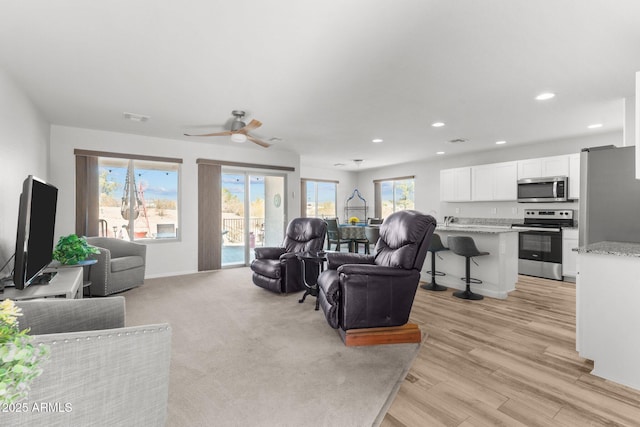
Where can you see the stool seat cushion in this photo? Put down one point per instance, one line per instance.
(436, 244)
(464, 246)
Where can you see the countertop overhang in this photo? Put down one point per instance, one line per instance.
(611, 248)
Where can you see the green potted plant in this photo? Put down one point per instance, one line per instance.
(19, 359)
(72, 250)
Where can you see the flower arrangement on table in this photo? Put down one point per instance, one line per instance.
(20, 360)
(354, 220)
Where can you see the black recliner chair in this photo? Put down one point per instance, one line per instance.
(370, 291)
(278, 269)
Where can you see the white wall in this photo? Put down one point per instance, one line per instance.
(427, 176)
(347, 183)
(163, 258)
(24, 148)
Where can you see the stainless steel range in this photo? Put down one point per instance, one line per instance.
(540, 242)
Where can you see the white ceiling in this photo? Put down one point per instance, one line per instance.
(329, 76)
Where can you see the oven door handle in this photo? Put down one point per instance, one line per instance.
(545, 229)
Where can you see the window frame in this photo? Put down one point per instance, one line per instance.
(394, 181)
(88, 191)
(304, 197)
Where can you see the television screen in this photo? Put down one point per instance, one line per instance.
(36, 226)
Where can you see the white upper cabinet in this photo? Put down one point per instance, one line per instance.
(543, 167)
(555, 166)
(530, 168)
(495, 181)
(455, 185)
(498, 181)
(574, 176)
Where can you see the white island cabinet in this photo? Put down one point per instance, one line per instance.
(498, 271)
(607, 314)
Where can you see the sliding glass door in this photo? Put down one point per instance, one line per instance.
(253, 214)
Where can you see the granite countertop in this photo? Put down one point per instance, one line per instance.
(476, 228)
(611, 248)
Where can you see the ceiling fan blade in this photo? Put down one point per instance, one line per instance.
(258, 141)
(226, 133)
(253, 124)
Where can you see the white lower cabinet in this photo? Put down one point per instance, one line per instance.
(569, 256)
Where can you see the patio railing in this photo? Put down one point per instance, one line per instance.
(234, 229)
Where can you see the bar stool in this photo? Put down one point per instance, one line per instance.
(435, 246)
(466, 247)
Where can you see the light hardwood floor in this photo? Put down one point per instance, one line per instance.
(506, 362)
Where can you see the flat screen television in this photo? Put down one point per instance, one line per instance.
(36, 224)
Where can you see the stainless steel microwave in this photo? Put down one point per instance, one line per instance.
(539, 190)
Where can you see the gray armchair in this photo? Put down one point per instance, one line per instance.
(105, 373)
(121, 265)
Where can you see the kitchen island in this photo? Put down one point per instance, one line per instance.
(498, 270)
(607, 315)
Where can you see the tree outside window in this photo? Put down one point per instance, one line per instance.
(397, 195)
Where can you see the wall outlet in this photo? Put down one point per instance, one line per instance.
(457, 211)
(494, 211)
(514, 210)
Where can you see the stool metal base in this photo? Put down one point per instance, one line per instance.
(467, 294)
(433, 287)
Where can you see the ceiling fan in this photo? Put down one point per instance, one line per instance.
(240, 130)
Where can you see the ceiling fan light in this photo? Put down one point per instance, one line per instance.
(239, 138)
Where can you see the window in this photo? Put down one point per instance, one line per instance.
(321, 198)
(395, 195)
(127, 198)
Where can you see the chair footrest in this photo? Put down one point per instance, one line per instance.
(472, 280)
(437, 273)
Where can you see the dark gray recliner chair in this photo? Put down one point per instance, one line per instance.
(277, 268)
(121, 265)
(370, 291)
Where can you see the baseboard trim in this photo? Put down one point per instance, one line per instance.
(408, 333)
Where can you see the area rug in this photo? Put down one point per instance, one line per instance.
(243, 356)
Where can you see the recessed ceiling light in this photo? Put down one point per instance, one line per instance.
(500, 142)
(544, 96)
(439, 153)
(135, 117)
(595, 126)
(377, 140)
(437, 124)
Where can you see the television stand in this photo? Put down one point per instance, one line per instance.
(67, 283)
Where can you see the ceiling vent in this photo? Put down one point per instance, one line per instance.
(457, 141)
(136, 117)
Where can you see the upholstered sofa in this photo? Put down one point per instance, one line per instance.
(121, 265)
(99, 372)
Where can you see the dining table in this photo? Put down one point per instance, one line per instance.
(352, 233)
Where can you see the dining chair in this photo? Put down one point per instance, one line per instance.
(333, 233)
